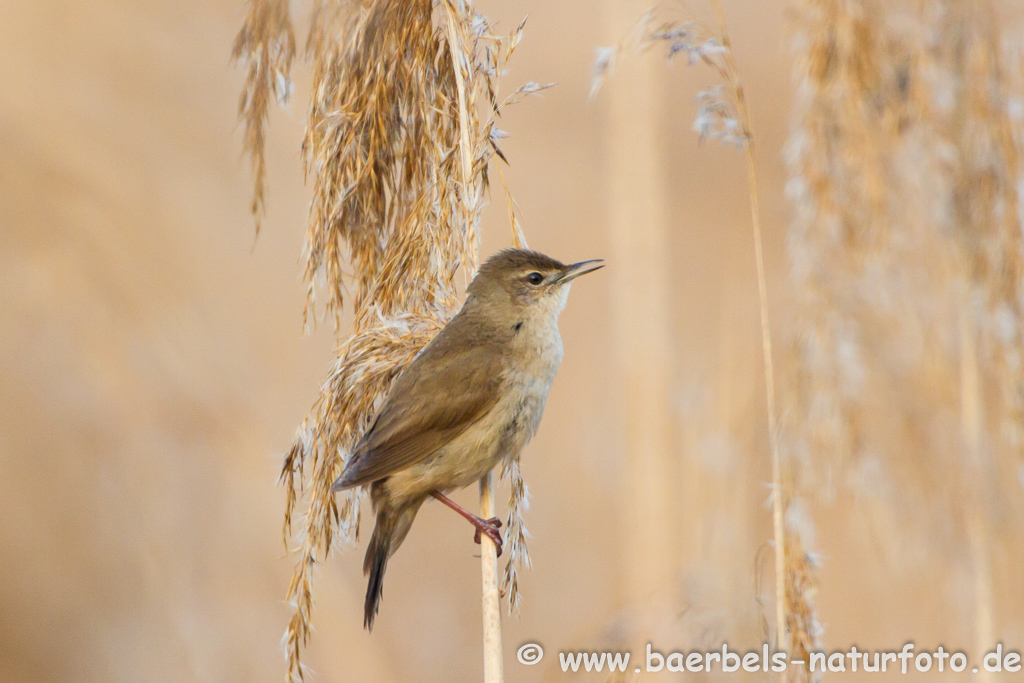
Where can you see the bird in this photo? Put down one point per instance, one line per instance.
(469, 401)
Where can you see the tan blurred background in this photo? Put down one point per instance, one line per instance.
(154, 371)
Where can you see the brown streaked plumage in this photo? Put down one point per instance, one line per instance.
(470, 401)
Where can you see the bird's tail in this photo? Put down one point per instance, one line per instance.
(389, 532)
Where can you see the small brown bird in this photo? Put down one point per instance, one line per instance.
(470, 401)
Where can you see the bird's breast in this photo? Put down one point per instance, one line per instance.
(528, 382)
(536, 353)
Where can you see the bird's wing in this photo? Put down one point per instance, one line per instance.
(442, 393)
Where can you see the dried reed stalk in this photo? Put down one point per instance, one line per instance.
(988, 231)
(399, 139)
(730, 73)
(494, 668)
(638, 231)
(723, 114)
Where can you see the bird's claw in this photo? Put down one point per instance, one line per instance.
(490, 528)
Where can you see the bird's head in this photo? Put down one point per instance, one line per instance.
(522, 282)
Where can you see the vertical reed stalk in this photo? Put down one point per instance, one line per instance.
(726, 117)
(973, 61)
(778, 495)
(493, 666)
(465, 146)
(977, 528)
(637, 227)
(491, 598)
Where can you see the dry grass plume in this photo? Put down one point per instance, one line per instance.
(723, 115)
(906, 252)
(400, 135)
(266, 43)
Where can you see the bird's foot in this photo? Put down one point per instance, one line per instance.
(490, 528)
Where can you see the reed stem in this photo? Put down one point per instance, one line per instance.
(977, 528)
(778, 497)
(493, 664)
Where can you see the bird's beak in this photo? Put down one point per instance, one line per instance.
(574, 270)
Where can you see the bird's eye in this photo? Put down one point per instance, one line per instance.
(534, 278)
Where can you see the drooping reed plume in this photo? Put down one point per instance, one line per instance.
(266, 44)
(723, 114)
(400, 135)
(906, 254)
